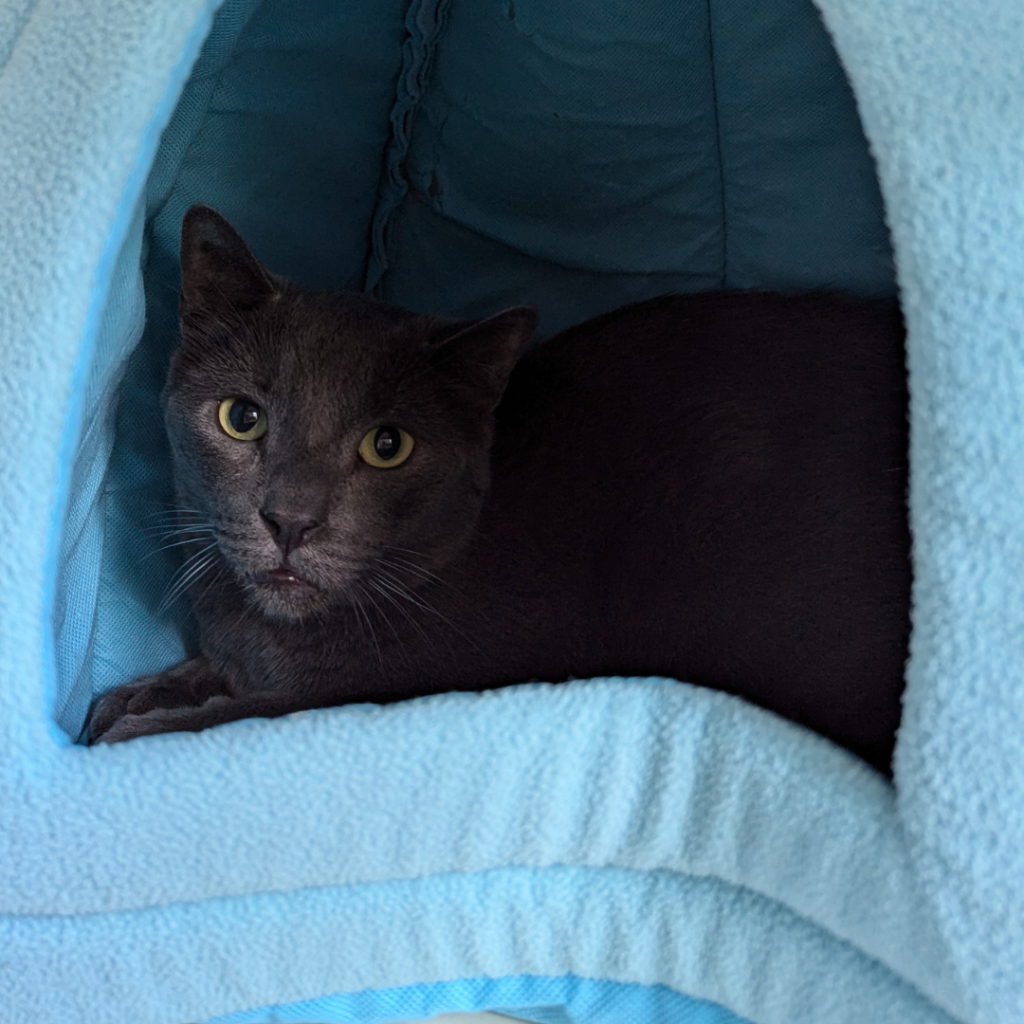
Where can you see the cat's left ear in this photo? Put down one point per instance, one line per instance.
(479, 358)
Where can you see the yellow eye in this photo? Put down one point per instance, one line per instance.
(241, 419)
(386, 447)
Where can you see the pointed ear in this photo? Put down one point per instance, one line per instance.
(218, 272)
(479, 358)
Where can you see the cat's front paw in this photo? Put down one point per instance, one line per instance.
(134, 708)
(108, 707)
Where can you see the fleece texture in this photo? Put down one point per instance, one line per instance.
(605, 850)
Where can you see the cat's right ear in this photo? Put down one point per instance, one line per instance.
(478, 359)
(219, 273)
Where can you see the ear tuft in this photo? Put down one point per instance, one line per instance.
(479, 358)
(218, 271)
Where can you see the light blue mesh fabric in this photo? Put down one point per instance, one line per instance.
(560, 1000)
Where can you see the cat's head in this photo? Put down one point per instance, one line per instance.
(321, 437)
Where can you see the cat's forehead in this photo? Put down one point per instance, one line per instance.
(314, 358)
(340, 352)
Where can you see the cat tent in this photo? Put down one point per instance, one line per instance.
(604, 851)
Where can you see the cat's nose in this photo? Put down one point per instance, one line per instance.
(289, 531)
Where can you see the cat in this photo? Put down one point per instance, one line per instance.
(379, 504)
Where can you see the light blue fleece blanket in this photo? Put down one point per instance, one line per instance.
(602, 851)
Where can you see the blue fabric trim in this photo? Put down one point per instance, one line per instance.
(558, 1000)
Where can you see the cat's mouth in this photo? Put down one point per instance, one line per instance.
(287, 578)
(287, 594)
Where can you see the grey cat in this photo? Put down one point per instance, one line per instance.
(378, 505)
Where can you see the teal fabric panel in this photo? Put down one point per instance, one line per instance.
(462, 273)
(802, 208)
(291, 145)
(580, 156)
(579, 133)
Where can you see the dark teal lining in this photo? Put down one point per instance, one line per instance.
(424, 21)
(718, 147)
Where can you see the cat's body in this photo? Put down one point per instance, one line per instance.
(708, 487)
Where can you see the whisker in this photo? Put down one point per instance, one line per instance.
(393, 584)
(376, 608)
(419, 601)
(406, 551)
(173, 513)
(405, 566)
(408, 565)
(164, 532)
(177, 513)
(376, 585)
(249, 610)
(366, 616)
(212, 581)
(179, 589)
(179, 543)
(191, 570)
(173, 519)
(195, 555)
(320, 616)
(390, 583)
(399, 645)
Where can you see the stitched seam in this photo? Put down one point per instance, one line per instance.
(424, 22)
(718, 148)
